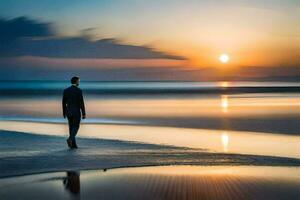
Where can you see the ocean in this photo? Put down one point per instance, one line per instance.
(271, 107)
(259, 118)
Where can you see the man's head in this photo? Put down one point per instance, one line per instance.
(75, 80)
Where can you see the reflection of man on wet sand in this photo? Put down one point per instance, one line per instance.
(72, 182)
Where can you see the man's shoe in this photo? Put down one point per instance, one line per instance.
(69, 142)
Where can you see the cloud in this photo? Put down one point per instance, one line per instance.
(79, 47)
(13, 29)
(25, 37)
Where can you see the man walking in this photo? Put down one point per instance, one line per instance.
(73, 109)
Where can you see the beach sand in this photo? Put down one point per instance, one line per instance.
(224, 141)
(23, 153)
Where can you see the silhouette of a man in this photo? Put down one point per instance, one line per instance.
(73, 109)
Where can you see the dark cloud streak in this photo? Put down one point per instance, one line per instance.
(25, 37)
(20, 27)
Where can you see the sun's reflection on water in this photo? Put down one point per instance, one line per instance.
(225, 141)
(224, 84)
(224, 103)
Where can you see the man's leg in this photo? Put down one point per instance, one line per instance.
(71, 124)
(75, 128)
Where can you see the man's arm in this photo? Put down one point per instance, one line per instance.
(64, 105)
(82, 107)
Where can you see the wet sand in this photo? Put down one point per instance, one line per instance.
(168, 182)
(22, 153)
(224, 141)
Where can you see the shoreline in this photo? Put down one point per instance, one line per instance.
(221, 141)
(31, 154)
(150, 165)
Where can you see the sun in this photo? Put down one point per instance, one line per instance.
(224, 58)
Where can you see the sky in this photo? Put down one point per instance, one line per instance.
(146, 36)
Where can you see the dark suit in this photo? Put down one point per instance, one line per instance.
(73, 107)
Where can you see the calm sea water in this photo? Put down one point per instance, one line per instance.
(243, 106)
(239, 117)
